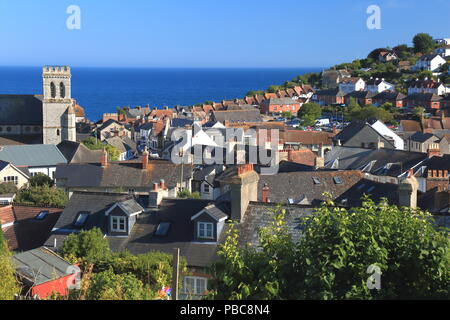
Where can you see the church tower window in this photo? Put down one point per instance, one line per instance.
(62, 88)
(53, 90)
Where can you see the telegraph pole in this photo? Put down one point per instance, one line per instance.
(175, 275)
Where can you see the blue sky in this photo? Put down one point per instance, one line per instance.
(209, 33)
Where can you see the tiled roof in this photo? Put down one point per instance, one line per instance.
(410, 125)
(252, 115)
(306, 137)
(76, 152)
(28, 233)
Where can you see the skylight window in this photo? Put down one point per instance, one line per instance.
(81, 219)
(337, 180)
(361, 186)
(316, 180)
(162, 229)
(371, 189)
(41, 215)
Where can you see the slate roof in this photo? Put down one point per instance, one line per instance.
(181, 122)
(37, 155)
(361, 94)
(180, 234)
(350, 131)
(387, 162)
(421, 137)
(389, 95)
(122, 174)
(76, 152)
(21, 109)
(123, 144)
(93, 203)
(218, 211)
(431, 97)
(40, 265)
(310, 184)
(130, 206)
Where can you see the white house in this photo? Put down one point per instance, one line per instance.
(348, 85)
(383, 130)
(443, 51)
(379, 85)
(426, 86)
(443, 41)
(430, 62)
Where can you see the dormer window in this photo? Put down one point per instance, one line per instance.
(205, 230)
(118, 224)
(41, 215)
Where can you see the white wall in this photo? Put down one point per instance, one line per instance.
(385, 131)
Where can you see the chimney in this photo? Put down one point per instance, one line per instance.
(155, 186)
(335, 130)
(319, 163)
(104, 159)
(265, 193)
(162, 184)
(290, 154)
(145, 159)
(156, 195)
(437, 179)
(407, 191)
(244, 188)
(433, 152)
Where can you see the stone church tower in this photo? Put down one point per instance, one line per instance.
(57, 111)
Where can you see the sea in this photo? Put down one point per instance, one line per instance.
(101, 90)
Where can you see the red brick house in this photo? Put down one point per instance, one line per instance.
(330, 97)
(395, 98)
(428, 101)
(279, 105)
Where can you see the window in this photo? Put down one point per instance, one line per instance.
(206, 188)
(205, 230)
(337, 180)
(195, 285)
(118, 224)
(42, 215)
(13, 179)
(53, 90)
(316, 180)
(81, 219)
(57, 132)
(62, 90)
(162, 229)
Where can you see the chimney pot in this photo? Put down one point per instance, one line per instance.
(145, 159)
(155, 186)
(104, 159)
(265, 193)
(162, 184)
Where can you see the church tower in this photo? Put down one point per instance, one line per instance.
(58, 114)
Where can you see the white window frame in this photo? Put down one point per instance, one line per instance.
(202, 230)
(197, 289)
(118, 220)
(206, 188)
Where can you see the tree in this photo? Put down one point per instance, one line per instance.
(8, 284)
(423, 43)
(94, 144)
(370, 111)
(41, 180)
(87, 246)
(186, 194)
(107, 285)
(42, 196)
(309, 113)
(8, 187)
(418, 112)
(412, 253)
